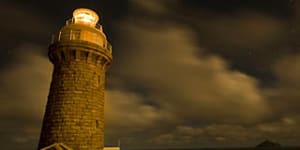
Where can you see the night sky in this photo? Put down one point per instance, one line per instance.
(186, 73)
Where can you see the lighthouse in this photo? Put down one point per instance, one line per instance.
(81, 55)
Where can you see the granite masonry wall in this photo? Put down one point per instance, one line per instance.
(75, 108)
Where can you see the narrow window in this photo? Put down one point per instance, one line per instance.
(94, 59)
(98, 60)
(82, 56)
(97, 124)
(73, 54)
(62, 55)
(86, 56)
(99, 81)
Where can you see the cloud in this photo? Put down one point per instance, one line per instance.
(283, 131)
(21, 21)
(167, 122)
(26, 81)
(245, 28)
(151, 6)
(164, 60)
(128, 108)
(251, 42)
(24, 88)
(163, 90)
(286, 69)
(127, 116)
(284, 95)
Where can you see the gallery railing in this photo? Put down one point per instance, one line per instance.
(82, 35)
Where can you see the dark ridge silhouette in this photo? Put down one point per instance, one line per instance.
(268, 144)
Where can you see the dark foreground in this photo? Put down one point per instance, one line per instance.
(283, 148)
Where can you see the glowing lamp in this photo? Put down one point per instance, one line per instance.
(85, 16)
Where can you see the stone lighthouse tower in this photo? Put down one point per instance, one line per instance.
(81, 55)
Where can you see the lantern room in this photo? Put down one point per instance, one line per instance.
(85, 16)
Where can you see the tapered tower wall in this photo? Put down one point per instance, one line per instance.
(75, 109)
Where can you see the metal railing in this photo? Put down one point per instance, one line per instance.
(81, 35)
(72, 21)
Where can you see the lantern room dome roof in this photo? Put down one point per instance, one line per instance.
(85, 16)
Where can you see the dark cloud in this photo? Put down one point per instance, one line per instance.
(203, 84)
(20, 20)
(284, 95)
(185, 73)
(178, 72)
(24, 90)
(279, 8)
(249, 39)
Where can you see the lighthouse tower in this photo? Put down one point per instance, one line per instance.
(81, 55)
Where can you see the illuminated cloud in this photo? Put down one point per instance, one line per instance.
(151, 6)
(24, 90)
(285, 93)
(177, 77)
(174, 81)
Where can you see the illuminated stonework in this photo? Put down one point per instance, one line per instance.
(81, 55)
